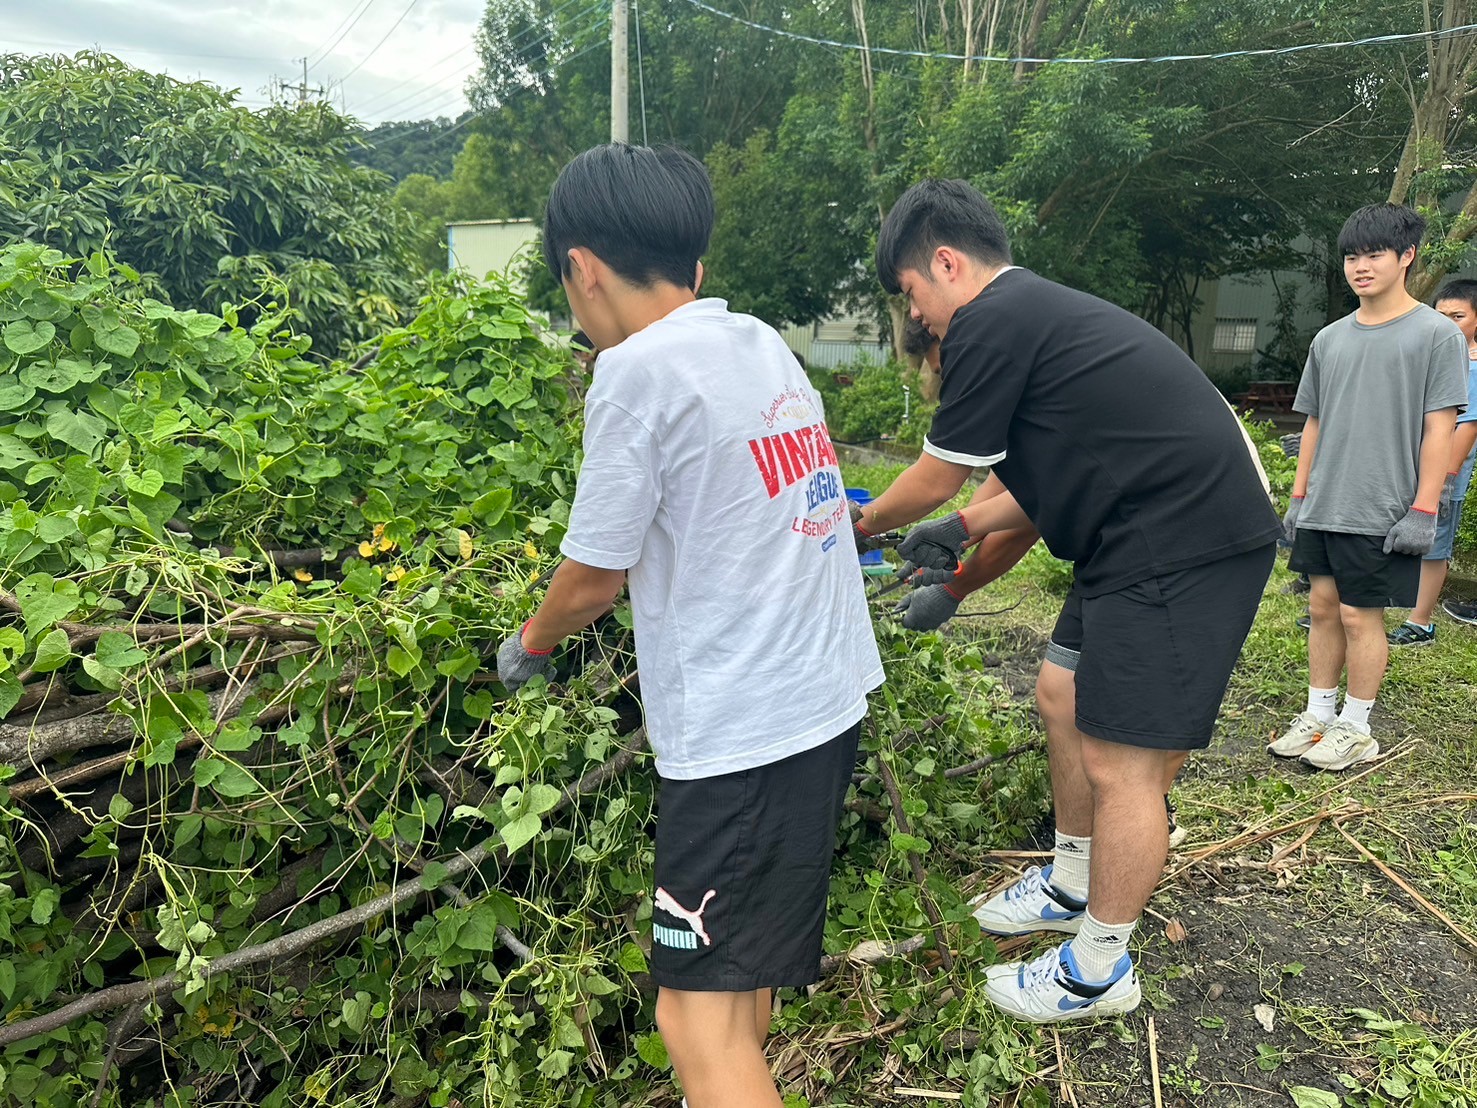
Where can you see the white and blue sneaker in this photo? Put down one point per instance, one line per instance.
(1032, 904)
(1051, 988)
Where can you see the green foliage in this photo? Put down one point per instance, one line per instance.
(259, 751)
(871, 407)
(403, 148)
(206, 198)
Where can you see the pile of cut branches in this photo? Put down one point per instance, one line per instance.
(277, 834)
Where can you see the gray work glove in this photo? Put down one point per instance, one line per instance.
(920, 577)
(936, 544)
(1414, 534)
(517, 665)
(1290, 520)
(866, 542)
(1444, 509)
(929, 608)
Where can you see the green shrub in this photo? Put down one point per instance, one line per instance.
(871, 407)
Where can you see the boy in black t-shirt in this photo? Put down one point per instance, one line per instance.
(1118, 450)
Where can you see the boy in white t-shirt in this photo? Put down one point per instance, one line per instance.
(709, 484)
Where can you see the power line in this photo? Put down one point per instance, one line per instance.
(1375, 40)
(545, 33)
(472, 117)
(343, 29)
(382, 41)
(524, 52)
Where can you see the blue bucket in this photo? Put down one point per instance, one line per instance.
(863, 497)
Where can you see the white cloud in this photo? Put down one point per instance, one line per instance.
(421, 69)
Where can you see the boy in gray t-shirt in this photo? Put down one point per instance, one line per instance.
(1381, 392)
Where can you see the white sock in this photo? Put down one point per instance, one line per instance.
(1356, 713)
(1098, 946)
(1071, 863)
(1323, 703)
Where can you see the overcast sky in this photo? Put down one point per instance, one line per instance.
(418, 72)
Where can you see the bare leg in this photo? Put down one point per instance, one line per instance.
(1368, 649)
(1130, 837)
(1056, 700)
(1326, 642)
(1433, 576)
(763, 1009)
(1174, 761)
(713, 1042)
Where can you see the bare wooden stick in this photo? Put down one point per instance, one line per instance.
(990, 759)
(1154, 1063)
(1405, 886)
(293, 943)
(930, 909)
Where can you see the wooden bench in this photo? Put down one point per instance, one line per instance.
(1273, 396)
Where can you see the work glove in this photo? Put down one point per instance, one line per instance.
(866, 542)
(1290, 520)
(1444, 509)
(517, 665)
(1414, 534)
(921, 577)
(936, 544)
(929, 608)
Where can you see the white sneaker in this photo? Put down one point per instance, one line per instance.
(1301, 736)
(1343, 745)
(1031, 904)
(1050, 989)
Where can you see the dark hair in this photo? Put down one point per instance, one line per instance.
(1461, 289)
(938, 213)
(646, 213)
(1382, 227)
(917, 339)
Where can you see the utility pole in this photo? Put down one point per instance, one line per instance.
(620, 112)
(303, 88)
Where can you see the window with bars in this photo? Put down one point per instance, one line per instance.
(1234, 336)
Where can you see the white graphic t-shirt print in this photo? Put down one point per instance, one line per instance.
(802, 453)
(710, 478)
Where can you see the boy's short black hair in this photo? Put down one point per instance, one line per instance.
(647, 213)
(936, 213)
(1382, 227)
(1461, 289)
(917, 339)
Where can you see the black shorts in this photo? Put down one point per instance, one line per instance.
(743, 870)
(1155, 657)
(1364, 574)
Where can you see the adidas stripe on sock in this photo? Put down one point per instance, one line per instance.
(1098, 946)
(1071, 863)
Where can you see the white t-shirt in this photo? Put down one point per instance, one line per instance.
(709, 476)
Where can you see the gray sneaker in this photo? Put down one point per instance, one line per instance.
(1463, 611)
(1301, 736)
(1343, 745)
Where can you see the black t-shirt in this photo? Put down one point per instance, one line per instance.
(1110, 438)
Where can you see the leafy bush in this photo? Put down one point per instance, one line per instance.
(871, 407)
(205, 197)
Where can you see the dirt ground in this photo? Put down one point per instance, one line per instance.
(1265, 963)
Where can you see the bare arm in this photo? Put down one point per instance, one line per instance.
(917, 492)
(1305, 457)
(578, 596)
(998, 513)
(1462, 441)
(1435, 453)
(998, 553)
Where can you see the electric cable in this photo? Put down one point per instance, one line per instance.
(346, 26)
(1373, 40)
(381, 42)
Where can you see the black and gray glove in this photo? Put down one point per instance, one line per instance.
(1414, 534)
(928, 608)
(1290, 520)
(517, 665)
(1447, 489)
(866, 542)
(936, 544)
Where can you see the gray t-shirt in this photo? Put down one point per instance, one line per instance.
(1371, 387)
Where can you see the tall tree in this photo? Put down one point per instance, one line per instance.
(203, 196)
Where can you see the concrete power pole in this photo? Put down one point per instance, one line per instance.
(620, 112)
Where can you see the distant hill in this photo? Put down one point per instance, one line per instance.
(414, 146)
